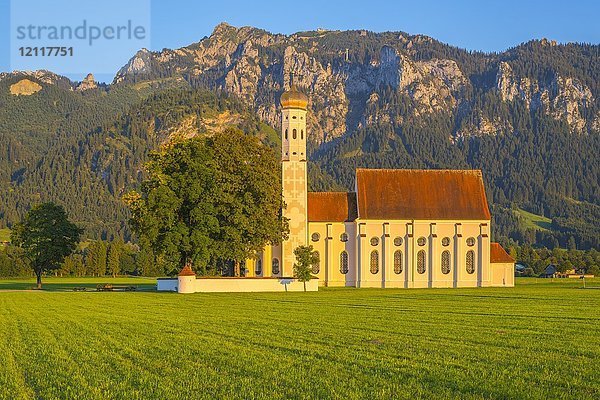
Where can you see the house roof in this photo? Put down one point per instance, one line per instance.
(388, 194)
(331, 206)
(499, 255)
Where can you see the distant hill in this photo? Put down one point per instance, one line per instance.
(528, 117)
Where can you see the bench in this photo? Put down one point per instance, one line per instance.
(107, 287)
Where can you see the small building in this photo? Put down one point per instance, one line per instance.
(550, 272)
(502, 266)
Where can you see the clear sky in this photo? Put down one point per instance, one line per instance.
(476, 25)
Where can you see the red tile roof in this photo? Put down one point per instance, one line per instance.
(331, 206)
(499, 255)
(388, 194)
(186, 271)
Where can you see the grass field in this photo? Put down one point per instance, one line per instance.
(4, 235)
(534, 221)
(537, 340)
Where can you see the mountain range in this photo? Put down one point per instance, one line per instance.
(529, 117)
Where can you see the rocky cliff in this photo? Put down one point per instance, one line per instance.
(349, 76)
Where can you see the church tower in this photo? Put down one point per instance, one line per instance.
(294, 180)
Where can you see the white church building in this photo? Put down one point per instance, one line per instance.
(398, 228)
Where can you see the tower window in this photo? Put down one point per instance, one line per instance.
(344, 262)
(275, 266)
(398, 262)
(301, 133)
(445, 262)
(421, 262)
(286, 134)
(294, 117)
(294, 134)
(374, 262)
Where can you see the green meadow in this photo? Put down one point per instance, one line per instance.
(4, 235)
(538, 340)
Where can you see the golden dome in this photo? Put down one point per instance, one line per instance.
(294, 98)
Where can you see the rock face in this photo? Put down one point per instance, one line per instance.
(25, 87)
(354, 79)
(38, 77)
(87, 83)
(564, 98)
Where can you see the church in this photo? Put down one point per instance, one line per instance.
(396, 229)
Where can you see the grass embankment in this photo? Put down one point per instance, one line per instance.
(4, 235)
(537, 340)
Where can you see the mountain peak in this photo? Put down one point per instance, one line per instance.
(222, 29)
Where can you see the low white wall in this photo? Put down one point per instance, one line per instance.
(166, 285)
(207, 285)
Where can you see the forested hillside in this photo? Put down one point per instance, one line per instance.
(85, 151)
(528, 117)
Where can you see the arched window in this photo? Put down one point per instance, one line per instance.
(317, 267)
(258, 267)
(374, 262)
(398, 262)
(294, 134)
(470, 262)
(301, 133)
(445, 262)
(344, 262)
(421, 262)
(275, 266)
(286, 134)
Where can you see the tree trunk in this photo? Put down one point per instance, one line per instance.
(236, 268)
(38, 274)
(304, 285)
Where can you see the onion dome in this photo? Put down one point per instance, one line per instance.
(294, 98)
(186, 271)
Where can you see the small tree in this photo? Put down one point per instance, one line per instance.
(46, 236)
(114, 258)
(306, 259)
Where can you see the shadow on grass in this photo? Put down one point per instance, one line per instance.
(73, 285)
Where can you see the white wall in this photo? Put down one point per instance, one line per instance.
(166, 285)
(207, 285)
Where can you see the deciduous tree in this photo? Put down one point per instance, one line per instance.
(47, 236)
(306, 259)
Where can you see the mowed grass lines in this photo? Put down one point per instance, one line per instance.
(538, 340)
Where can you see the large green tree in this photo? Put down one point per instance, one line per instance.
(46, 236)
(214, 197)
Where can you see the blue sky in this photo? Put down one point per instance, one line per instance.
(476, 25)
